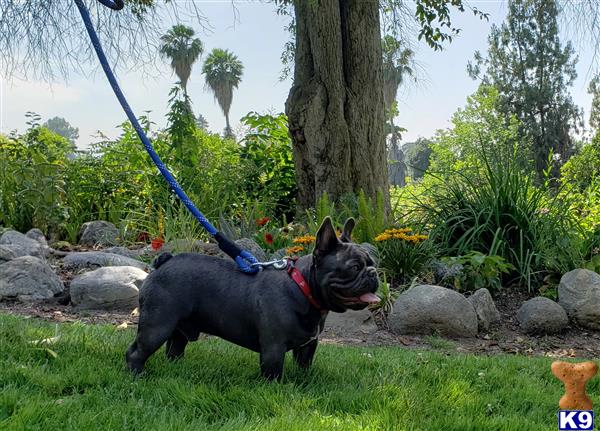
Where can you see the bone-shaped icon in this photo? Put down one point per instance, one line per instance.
(574, 377)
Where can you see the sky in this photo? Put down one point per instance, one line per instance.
(257, 36)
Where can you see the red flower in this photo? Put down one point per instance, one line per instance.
(262, 221)
(143, 237)
(157, 243)
(269, 238)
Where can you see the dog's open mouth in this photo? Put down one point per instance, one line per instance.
(365, 298)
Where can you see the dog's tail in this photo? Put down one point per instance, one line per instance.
(162, 258)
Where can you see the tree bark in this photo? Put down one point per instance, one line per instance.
(335, 106)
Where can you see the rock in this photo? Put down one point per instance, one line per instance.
(98, 232)
(351, 323)
(9, 252)
(96, 259)
(251, 246)
(485, 308)
(108, 288)
(37, 235)
(444, 273)
(542, 315)
(28, 246)
(28, 278)
(427, 309)
(123, 251)
(579, 295)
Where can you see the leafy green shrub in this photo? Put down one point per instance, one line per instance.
(582, 169)
(497, 209)
(370, 216)
(478, 271)
(268, 164)
(387, 295)
(31, 181)
(403, 254)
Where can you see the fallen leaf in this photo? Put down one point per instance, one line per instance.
(122, 326)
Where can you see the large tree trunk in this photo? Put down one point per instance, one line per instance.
(335, 107)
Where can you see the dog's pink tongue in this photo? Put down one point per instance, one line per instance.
(369, 298)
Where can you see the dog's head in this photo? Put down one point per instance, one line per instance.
(344, 272)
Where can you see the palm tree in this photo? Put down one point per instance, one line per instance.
(180, 46)
(223, 72)
(396, 65)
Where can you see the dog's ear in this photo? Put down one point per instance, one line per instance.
(347, 231)
(327, 239)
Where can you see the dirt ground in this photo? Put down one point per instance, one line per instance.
(503, 338)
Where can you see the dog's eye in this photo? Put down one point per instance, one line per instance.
(355, 268)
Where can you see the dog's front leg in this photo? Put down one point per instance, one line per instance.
(304, 355)
(272, 357)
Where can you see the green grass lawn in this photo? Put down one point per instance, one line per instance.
(217, 386)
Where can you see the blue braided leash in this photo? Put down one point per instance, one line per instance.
(244, 259)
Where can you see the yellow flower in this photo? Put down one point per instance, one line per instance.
(306, 239)
(382, 237)
(295, 249)
(404, 234)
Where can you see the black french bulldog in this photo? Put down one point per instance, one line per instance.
(267, 312)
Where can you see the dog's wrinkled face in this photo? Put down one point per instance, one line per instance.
(344, 272)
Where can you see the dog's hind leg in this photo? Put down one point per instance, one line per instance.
(176, 344)
(149, 338)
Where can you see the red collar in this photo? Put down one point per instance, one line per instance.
(303, 285)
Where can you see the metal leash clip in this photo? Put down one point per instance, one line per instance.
(276, 264)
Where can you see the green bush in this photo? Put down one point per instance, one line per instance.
(32, 187)
(403, 254)
(477, 271)
(582, 169)
(268, 164)
(497, 209)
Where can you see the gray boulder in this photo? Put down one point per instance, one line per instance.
(29, 246)
(579, 295)
(484, 306)
(98, 232)
(9, 252)
(444, 273)
(351, 323)
(253, 247)
(97, 259)
(37, 235)
(108, 288)
(123, 251)
(427, 309)
(28, 278)
(542, 315)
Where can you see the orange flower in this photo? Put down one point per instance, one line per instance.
(306, 239)
(295, 249)
(262, 221)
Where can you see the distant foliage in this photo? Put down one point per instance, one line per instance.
(416, 156)
(62, 127)
(532, 70)
(583, 169)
